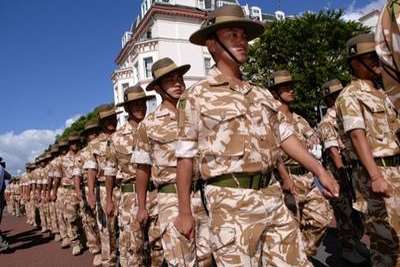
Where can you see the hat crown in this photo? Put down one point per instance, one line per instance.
(331, 87)
(361, 44)
(133, 92)
(91, 124)
(161, 66)
(281, 76)
(227, 10)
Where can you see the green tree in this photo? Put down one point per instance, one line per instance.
(311, 47)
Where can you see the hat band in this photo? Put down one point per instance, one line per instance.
(365, 47)
(134, 96)
(105, 114)
(335, 88)
(283, 79)
(220, 19)
(161, 71)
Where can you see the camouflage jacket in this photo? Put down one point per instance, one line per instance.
(361, 106)
(66, 167)
(156, 142)
(120, 152)
(231, 127)
(97, 152)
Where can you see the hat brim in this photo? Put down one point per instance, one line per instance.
(147, 97)
(332, 93)
(181, 69)
(276, 86)
(252, 28)
(361, 54)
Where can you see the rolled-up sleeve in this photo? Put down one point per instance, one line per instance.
(188, 119)
(141, 152)
(349, 108)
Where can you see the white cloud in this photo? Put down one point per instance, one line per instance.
(18, 148)
(352, 13)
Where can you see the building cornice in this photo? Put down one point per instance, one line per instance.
(156, 8)
(124, 73)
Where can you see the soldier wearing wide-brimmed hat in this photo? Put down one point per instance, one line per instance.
(122, 173)
(155, 155)
(94, 166)
(296, 180)
(368, 125)
(217, 118)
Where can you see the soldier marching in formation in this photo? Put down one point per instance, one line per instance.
(225, 173)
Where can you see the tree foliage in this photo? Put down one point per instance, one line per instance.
(79, 124)
(312, 48)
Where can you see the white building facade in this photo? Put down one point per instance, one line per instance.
(162, 29)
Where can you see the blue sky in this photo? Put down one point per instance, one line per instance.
(57, 56)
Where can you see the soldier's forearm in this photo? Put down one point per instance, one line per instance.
(299, 153)
(109, 187)
(142, 179)
(282, 171)
(184, 172)
(77, 183)
(334, 154)
(364, 153)
(92, 173)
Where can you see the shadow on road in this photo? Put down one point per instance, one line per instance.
(27, 239)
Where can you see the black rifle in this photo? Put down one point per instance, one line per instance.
(100, 213)
(146, 244)
(347, 183)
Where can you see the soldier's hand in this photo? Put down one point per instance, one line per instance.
(142, 216)
(289, 186)
(380, 186)
(185, 224)
(331, 187)
(91, 200)
(110, 208)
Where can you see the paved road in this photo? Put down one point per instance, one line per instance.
(30, 248)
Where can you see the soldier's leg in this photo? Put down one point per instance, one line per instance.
(18, 207)
(62, 224)
(383, 219)
(71, 213)
(157, 253)
(54, 220)
(237, 220)
(107, 232)
(91, 229)
(127, 246)
(315, 212)
(178, 250)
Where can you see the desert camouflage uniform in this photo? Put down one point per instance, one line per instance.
(38, 195)
(361, 106)
(45, 223)
(347, 219)
(88, 216)
(157, 136)
(10, 198)
(52, 204)
(314, 213)
(97, 160)
(387, 36)
(236, 129)
(118, 165)
(70, 201)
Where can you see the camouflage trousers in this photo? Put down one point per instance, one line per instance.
(71, 216)
(44, 223)
(53, 217)
(11, 206)
(178, 250)
(107, 229)
(253, 228)
(29, 211)
(62, 223)
(136, 238)
(90, 227)
(382, 216)
(313, 212)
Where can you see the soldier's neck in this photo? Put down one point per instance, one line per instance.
(231, 70)
(171, 104)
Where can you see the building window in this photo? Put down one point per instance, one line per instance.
(207, 65)
(148, 62)
(124, 86)
(136, 72)
(148, 34)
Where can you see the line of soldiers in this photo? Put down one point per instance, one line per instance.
(225, 173)
(12, 194)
